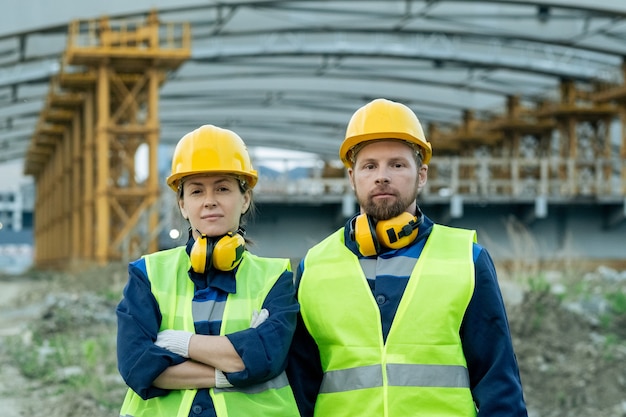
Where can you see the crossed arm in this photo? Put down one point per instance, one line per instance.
(206, 353)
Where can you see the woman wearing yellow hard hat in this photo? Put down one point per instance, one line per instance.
(204, 329)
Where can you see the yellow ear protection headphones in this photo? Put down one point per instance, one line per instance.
(223, 253)
(394, 233)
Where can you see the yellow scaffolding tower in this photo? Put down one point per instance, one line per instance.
(91, 206)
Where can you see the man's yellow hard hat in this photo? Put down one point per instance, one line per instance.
(383, 119)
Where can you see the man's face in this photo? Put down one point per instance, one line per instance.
(386, 179)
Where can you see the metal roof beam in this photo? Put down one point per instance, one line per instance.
(28, 73)
(559, 64)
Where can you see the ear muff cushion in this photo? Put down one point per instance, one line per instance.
(199, 255)
(397, 232)
(365, 236)
(228, 251)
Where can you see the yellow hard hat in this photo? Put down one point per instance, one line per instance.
(383, 119)
(211, 149)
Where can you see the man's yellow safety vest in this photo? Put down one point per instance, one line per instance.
(174, 291)
(420, 370)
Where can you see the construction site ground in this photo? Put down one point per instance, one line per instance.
(57, 342)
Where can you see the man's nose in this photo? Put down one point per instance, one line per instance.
(382, 176)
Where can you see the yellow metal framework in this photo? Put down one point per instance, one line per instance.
(563, 146)
(91, 206)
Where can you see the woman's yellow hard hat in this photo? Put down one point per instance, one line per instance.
(211, 149)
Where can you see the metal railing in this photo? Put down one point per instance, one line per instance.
(485, 179)
(124, 33)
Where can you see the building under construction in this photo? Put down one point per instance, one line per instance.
(527, 121)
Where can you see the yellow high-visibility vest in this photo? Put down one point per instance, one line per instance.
(420, 370)
(174, 291)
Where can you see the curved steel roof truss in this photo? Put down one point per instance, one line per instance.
(289, 73)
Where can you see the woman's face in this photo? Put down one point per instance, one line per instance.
(213, 204)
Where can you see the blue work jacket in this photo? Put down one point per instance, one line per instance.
(263, 350)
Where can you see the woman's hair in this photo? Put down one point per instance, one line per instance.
(252, 211)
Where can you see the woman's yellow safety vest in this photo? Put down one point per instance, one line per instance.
(420, 370)
(174, 291)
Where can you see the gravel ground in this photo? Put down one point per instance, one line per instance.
(570, 345)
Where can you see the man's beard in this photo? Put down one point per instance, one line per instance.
(386, 209)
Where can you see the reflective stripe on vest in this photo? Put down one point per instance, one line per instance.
(255, 278)
(401, 375)
(421, 369)
(280, 381)
(209, 310)
(396, 266)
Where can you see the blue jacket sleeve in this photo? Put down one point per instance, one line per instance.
(264, 349)
(139, 360)
(304, 368)
(493, 369)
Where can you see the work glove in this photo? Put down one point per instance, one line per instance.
(220, 380)
(176, 341)
(258, 317)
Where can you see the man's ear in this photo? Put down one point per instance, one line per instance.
(422, 176)
(351, 177)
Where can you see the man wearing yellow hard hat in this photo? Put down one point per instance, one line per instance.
(399, 316)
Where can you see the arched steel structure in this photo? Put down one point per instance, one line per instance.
(520, 100)
(288, 74)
